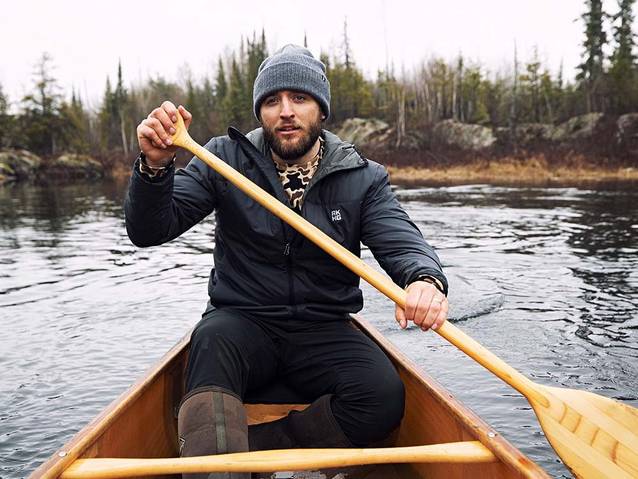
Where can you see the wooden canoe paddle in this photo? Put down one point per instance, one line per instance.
(596, 437)
(279, 460)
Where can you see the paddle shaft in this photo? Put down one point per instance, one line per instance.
(279, 460)
(378, 280)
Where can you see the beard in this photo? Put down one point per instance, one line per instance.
(289, 150)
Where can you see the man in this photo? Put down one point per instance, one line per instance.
(278, 305)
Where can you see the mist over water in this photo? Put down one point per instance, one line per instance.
(547, 278)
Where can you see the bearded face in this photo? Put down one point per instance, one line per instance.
(291, 122)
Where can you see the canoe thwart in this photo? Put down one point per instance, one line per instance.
(280, 460)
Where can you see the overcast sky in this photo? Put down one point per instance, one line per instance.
(160, 37)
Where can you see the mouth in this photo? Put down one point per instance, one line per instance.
(288, 130)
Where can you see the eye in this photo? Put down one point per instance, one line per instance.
(299, 97)
(271, 100)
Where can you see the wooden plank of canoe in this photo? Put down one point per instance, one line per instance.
(141, 422)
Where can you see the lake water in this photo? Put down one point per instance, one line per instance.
(547, 278)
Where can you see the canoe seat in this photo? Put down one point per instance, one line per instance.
(273, 401)
(276, 392)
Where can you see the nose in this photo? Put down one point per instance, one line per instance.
(286, 108)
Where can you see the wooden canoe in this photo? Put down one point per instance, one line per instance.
(141, 423)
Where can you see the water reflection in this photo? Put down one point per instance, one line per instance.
(545, 277)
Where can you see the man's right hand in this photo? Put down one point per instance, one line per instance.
(154, 133)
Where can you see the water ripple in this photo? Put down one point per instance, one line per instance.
(546, 278)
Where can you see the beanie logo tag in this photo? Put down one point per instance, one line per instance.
(336, 215)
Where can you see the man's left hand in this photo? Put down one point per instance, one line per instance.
(425, 306)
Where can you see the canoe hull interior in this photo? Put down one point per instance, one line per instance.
(142, 422)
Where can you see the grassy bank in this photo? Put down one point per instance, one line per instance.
(530, 171)
(533, 170)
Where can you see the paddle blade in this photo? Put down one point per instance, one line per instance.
(594, 436)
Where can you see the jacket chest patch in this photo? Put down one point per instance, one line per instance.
(335, 215)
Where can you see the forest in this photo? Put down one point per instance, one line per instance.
(50, 120)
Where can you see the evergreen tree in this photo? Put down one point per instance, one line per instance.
(220, 92)
(221, 87)
(256, 53)
(208, 105)
(41, 123)
(194, 106)
(108, 120)
(75, 138)
(4, 103)
(473, 89)
(457, 109)
(120, 106)
(496, 100)
(5, 120)
(234, 102)
(623, 72)
(347, 55)
(352, 95)
(440, 78)
(531, 89)
(591, 69)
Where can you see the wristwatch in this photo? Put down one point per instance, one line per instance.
(154, 171)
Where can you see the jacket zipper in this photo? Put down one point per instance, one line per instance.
(289, 270)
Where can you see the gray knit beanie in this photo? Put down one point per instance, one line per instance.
(292, 68)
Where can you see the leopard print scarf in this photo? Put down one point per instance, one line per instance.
(295, 178)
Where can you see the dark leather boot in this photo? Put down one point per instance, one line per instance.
(212, 420)
(314, 427)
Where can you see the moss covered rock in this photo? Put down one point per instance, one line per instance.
(18, 165)
(627, 134)
(462, 136)
(578, 127)
(368, 132)
(71, 165)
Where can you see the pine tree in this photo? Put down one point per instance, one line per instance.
(108, 119)
(41, 122)
(347, 55)
(121, 107)
(76, 134)
(220, 91)
(473, 88)
(233, 103)
(5, 120)
(591, 69)
(623, 71)
(531, 88)
(352, 95)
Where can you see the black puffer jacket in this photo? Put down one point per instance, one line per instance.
(261, 263)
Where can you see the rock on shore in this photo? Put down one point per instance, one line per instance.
(462, 135)
(627, 134)
(16, 165)
(20, 165)
(586, 132)
(71, 165)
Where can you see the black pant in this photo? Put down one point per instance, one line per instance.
(243, 352)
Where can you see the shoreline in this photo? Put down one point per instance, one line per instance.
(534, 170)
(531, 172)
